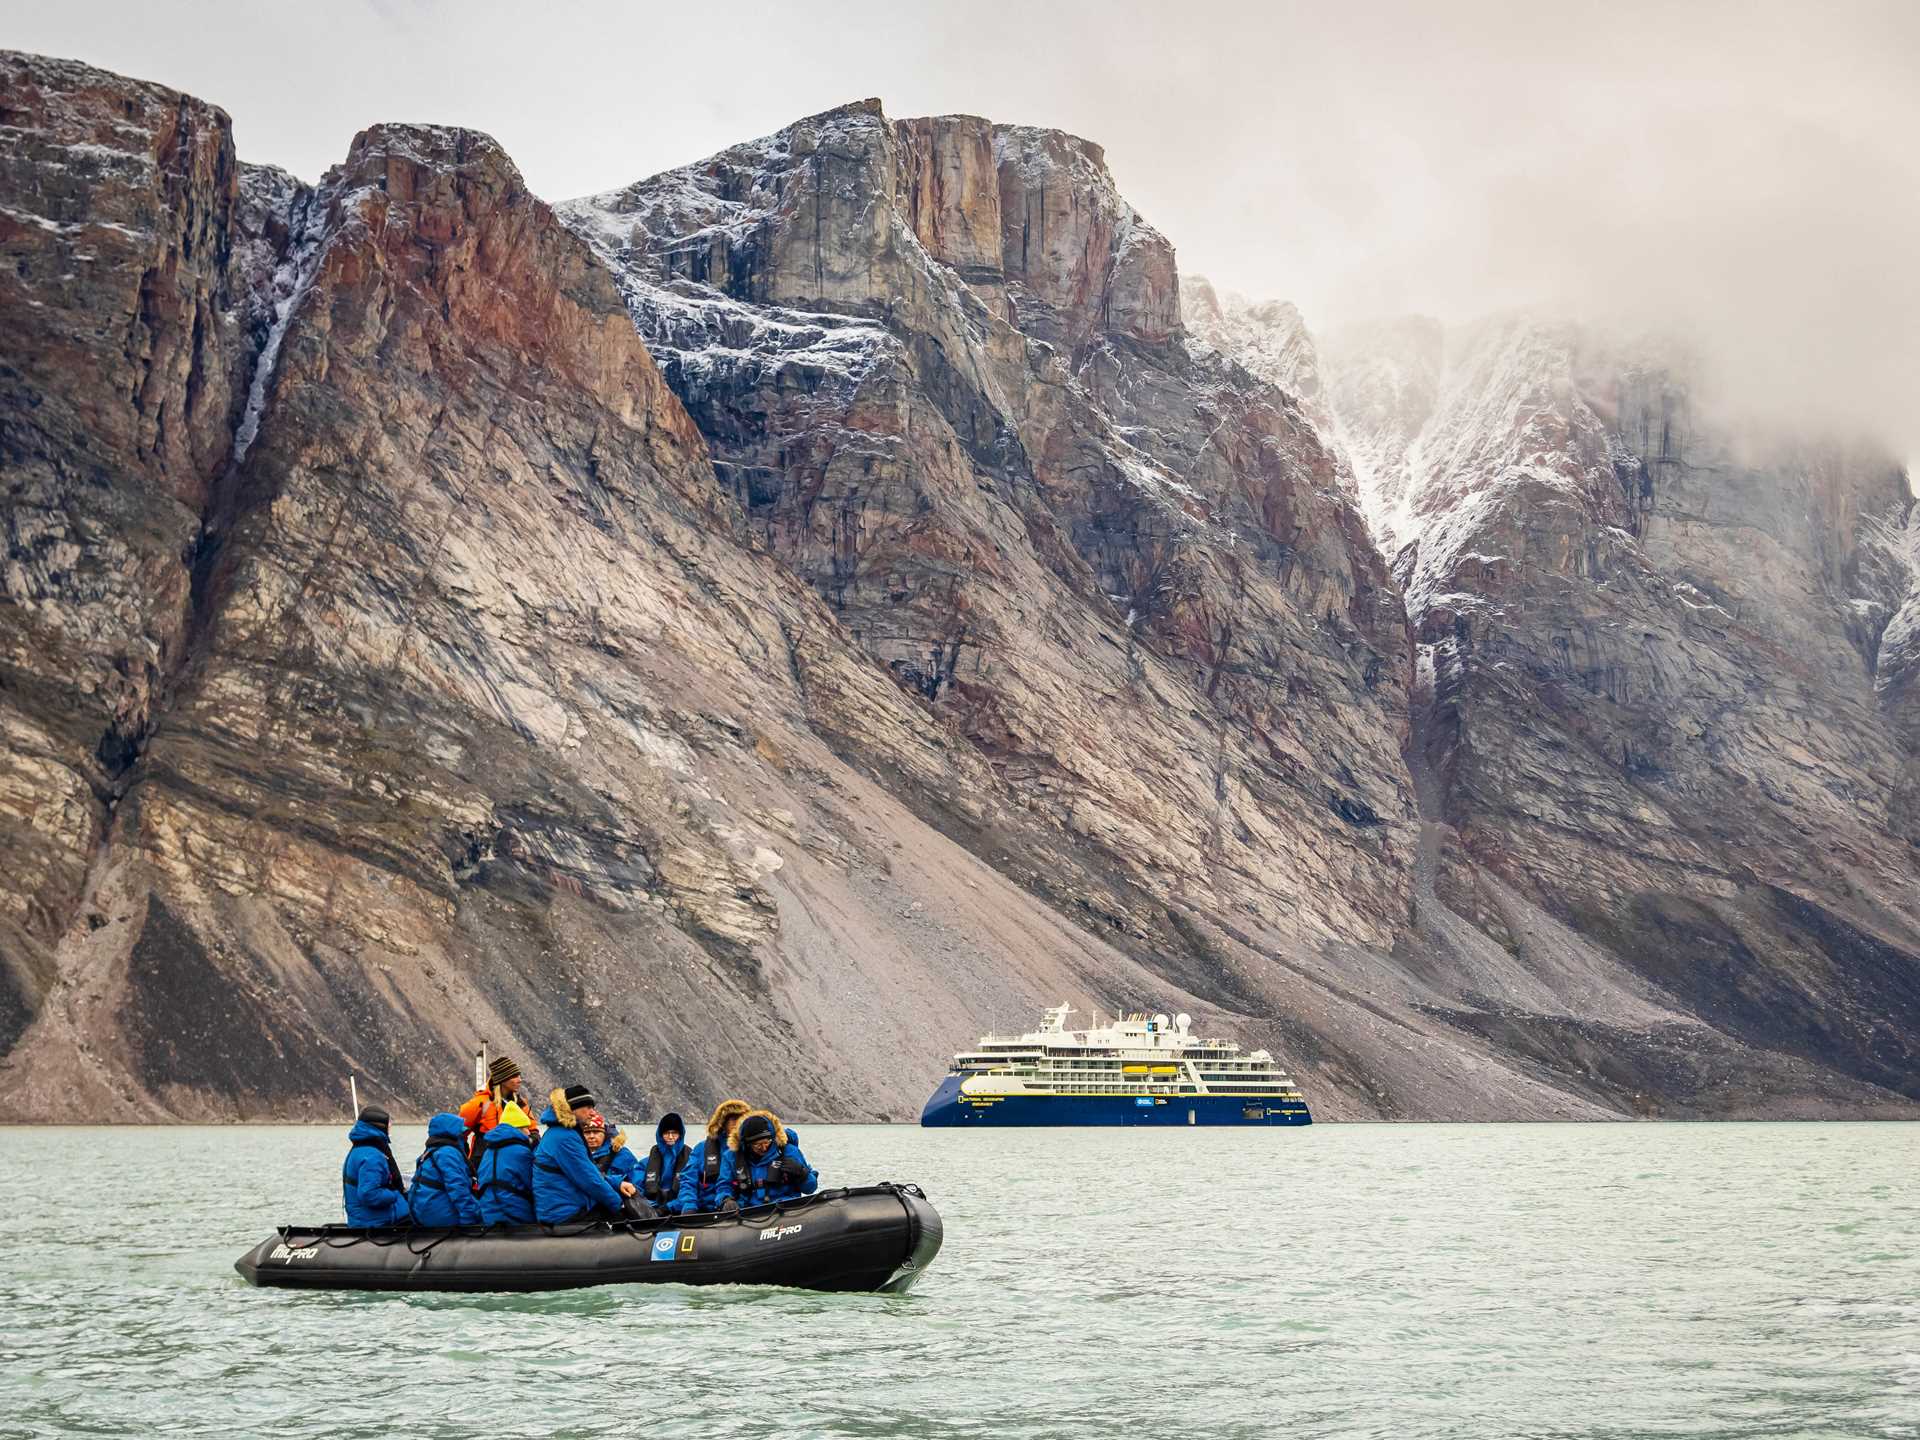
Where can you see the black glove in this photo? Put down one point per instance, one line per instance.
(729, 1205)
(787, 1171)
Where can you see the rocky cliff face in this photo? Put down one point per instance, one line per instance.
(445, 646)
(1027, 498)
(1661, 679)
(1649, 644)
(754, 629)
(1370, 390)
(1123, 570)
(1271, 339)
(478, 704)
(123, 370)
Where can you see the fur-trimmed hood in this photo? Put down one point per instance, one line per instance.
(559, 1112)
(779, 1130)
(726, 1115)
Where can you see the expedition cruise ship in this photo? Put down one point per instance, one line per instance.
(1138, 1071)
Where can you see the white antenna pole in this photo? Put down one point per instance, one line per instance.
(486, 1064)
(353, 1090)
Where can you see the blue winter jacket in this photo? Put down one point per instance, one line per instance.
(371, 1179)
(505, 1176)
(566, 1182)
(695, 1196)
(756, 1189)
(616, 1160)
(664, 1164)
(442, 1192)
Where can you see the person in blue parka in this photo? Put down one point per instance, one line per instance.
(700, 1175)
(607, 1143)
(503, 1181)
(659, 1173)
(371, 1176)
(763, 1164)
(442, 1192)
(566, 1182)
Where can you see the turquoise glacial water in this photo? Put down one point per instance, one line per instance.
(1347, 1280)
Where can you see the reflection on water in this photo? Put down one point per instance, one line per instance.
(1388, 1280)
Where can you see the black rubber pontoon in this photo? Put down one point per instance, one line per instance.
(874, 1238)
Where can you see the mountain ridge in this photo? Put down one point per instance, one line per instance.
(750, 629)
(1551, 487)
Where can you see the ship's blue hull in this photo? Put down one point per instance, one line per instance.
(949, 1107)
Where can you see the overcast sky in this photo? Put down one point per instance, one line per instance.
(1746, 172)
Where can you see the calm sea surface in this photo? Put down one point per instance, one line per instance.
(1354, 1280)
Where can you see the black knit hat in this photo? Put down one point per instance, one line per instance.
(755, 1127)
(374, 1115)
(500, 1071)
(579, 1097)
(671, 1121)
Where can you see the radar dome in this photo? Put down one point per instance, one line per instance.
(1160, 1022)
(1182, 1020)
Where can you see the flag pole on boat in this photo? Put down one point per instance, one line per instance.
(353, 1093)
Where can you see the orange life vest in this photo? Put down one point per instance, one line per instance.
(481, 1114)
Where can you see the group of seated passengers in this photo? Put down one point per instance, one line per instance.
(491, 1164)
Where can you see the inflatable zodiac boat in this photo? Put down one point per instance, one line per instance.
(875, 1238)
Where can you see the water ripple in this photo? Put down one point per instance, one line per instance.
(1695, 1282)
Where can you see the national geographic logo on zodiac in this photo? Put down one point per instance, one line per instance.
(670, 1245)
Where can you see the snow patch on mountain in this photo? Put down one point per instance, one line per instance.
(1269, 338)
(302, 213)
(722, 199)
